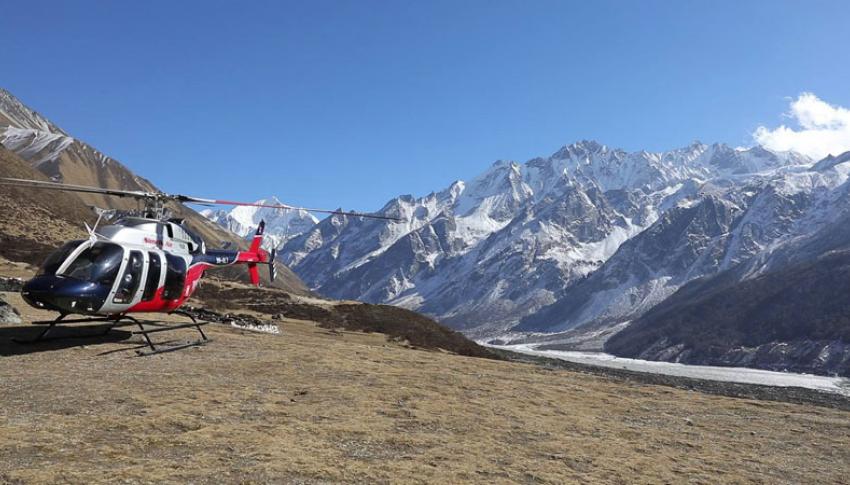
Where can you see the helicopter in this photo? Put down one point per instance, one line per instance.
(143, 262)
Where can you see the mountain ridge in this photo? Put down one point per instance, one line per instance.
(483, 254)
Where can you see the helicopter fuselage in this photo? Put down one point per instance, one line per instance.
(135, 265)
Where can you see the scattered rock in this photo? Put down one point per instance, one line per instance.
(262, 328)
(8, 314)
(11, 284)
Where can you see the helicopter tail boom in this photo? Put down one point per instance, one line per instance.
(252, 257)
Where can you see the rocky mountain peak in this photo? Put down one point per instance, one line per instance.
(16, 114)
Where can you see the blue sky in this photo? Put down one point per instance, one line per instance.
(350, 103)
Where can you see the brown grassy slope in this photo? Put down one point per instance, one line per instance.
(311, 406)
(34, 222)
(397, 323)
(83, 165)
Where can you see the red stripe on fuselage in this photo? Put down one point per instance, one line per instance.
(157, 304)
(193, 276)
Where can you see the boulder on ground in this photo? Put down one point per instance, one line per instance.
(11, 284)
(8, 313)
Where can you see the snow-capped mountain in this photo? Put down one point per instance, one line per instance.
(783, 309)
(61, 157)
(498, 250)
(281, 224)
(721, 227)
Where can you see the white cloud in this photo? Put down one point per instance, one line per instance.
(823, 129)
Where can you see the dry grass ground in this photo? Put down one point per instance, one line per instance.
(315, 406)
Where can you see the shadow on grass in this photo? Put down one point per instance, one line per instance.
(59, 337)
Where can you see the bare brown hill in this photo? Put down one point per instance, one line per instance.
(34, 223)
(397, 323)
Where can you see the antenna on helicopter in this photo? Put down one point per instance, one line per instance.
(154, 202)
(93, 235)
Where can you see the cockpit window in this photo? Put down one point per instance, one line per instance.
(55, 260)
(98, 263)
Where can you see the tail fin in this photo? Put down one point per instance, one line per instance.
(252, 257)
(256, 255)
(258, 238)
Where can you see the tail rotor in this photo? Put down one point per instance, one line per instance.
(272, 264)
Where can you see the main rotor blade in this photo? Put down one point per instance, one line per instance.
(291, 207)
(41, 184)
(138, 194)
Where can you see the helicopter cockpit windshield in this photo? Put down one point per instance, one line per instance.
(98, 264)
(54, 261)
(81, 275)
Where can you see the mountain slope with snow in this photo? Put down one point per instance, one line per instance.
(281, 224)
(487, 254)
(784, 309)
(720, 228)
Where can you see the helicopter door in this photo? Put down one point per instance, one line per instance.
(175, 277)
(154, 276)
(129, 282)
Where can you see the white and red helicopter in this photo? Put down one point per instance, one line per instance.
(144, 262)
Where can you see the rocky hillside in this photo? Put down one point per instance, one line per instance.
(787, 310)
(50, 152)
(713, 231)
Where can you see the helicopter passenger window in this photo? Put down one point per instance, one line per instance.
(55, 260)
(130, 280)
(154, 272)
(99, 264)
(175, 277)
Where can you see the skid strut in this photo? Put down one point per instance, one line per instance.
(146, 334)
(51, 324)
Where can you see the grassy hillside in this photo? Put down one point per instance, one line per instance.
(313, 405)
(34, 222)
(397, 323)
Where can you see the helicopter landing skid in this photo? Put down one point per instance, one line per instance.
(51, 324)
(116, 322)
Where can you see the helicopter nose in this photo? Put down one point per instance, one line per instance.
(64, 295)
